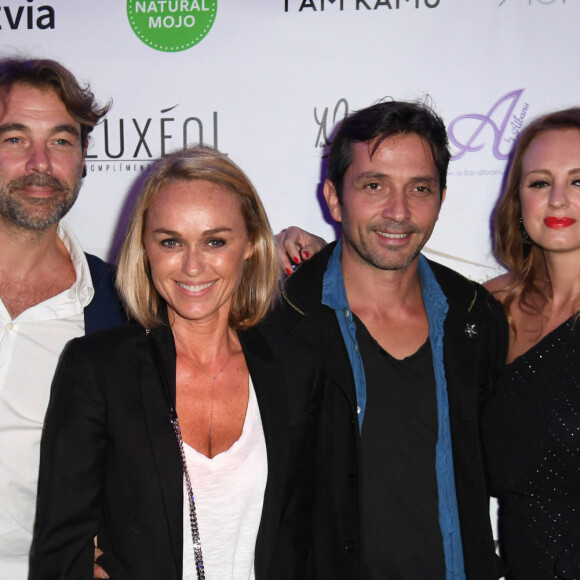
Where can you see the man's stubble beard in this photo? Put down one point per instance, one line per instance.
(377, 259)
(37, 213)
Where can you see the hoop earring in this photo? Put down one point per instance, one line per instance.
(525, 236)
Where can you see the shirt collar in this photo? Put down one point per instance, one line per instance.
(82, 288)
(433, 297)
(334, 292)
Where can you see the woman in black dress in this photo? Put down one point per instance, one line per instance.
(531, 425)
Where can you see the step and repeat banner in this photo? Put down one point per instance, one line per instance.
(265, 81)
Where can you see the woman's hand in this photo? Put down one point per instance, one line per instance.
(296, 245)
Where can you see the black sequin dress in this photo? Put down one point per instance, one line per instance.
(531, 430)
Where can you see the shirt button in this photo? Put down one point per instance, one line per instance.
(350, 547)
(352, 479)
(10, 326)
(357, 410)
(346, 313)
(356, 347)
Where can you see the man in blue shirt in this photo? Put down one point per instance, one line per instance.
(412, 348)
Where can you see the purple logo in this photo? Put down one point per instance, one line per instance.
(500, 126)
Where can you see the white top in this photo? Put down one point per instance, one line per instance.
(30, 346)
(229, 495)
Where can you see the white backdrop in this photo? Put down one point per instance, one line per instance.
(270, 78)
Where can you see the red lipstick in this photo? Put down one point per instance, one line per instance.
(558, 223)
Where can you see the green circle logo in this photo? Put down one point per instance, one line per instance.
(171, 25)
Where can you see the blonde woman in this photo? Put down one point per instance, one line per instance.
(184, 440)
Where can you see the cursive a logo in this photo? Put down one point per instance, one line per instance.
(500, 125)
(26, 16)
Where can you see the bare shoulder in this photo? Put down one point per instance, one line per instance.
(498, 286)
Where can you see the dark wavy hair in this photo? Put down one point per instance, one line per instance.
(381, 121)
(48, 74)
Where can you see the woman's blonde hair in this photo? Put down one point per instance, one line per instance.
(259, 285)
(512, 246)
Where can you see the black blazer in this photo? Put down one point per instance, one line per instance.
(471, 365)
(110, 464)
(105, 309)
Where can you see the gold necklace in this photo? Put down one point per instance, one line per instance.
(213, 379)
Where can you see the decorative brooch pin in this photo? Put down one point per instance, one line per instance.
(470, 330)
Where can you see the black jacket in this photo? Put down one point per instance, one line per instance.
(471, 365)
(110, 464)
(105, 309)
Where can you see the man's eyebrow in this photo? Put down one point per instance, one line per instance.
(65, 128)
(371, 175)
(12, 127)
(379, 175)
(424, 178)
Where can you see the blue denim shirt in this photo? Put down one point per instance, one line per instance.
(334, 296)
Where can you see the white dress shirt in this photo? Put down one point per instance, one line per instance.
(30, 346)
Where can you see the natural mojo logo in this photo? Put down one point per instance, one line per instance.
(171, 25)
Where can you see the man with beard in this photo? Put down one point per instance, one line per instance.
(50, 291)
(412, 348)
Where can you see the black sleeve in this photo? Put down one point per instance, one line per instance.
(73, 451)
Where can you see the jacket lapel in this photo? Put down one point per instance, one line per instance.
(318, 329)
(318, 325)
(158, 368)
(270, 387)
